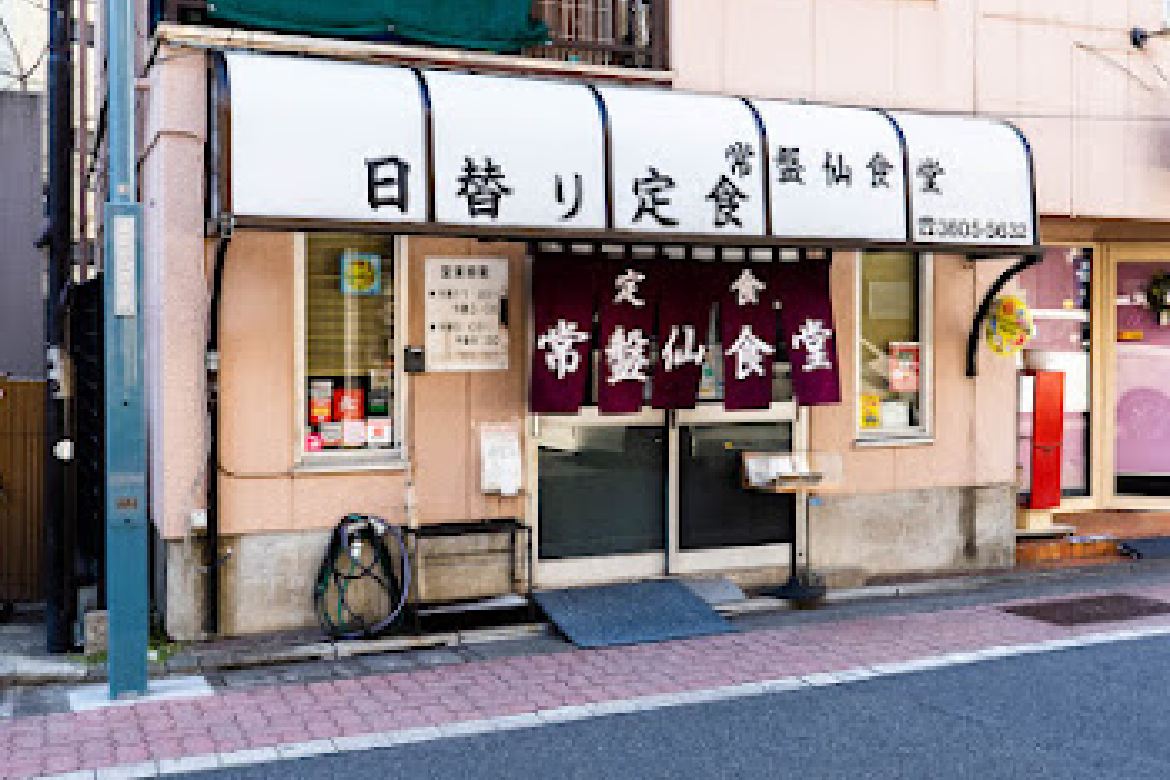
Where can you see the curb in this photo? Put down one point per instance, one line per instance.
(571, 713)
(33, 671)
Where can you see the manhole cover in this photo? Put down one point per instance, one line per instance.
(1092, 609)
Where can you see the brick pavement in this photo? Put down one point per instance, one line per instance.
(294, 714)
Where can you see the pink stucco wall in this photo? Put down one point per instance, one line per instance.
(973, 421)
(1062, 69)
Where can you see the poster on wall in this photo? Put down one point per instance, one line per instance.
(500, 458)
(466, 312)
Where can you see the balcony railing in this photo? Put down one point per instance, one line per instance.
(617, 33)
(622, 33)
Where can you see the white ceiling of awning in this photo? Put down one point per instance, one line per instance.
(323, 140)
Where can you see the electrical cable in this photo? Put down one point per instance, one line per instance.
(343, 568)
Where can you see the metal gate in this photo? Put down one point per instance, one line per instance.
(22, 457)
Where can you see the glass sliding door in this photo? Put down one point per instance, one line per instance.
(601, 490)
(714, 509)
(1142, 385)
(601, 497)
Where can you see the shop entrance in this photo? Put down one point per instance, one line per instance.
(621, 497)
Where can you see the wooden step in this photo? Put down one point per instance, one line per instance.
(1073, 548)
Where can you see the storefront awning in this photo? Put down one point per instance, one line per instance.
(308, 142)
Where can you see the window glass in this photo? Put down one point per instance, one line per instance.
(349, 345)
(1057, 291)
(892, 393)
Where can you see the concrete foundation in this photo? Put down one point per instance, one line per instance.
(267, 581)
(855, 537)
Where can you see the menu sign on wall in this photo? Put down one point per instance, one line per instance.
(465, 314)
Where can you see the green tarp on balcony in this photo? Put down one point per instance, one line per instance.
(494, 25)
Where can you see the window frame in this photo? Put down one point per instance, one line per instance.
(924, 432)
(388, 458)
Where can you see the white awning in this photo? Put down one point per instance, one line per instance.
(834, 172)
(967, 182)
(315, 140)
(543, 139)
(672, 163)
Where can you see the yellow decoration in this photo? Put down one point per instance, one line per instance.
(1009, 325)
(871, 411)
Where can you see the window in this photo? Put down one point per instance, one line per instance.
(351, 379)
(893, 347)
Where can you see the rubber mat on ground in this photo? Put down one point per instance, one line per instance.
(630, 613)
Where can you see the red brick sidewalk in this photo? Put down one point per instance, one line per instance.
(297, 713)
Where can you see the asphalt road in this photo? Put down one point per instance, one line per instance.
(1095, 712)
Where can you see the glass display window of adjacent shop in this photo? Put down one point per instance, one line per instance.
(1058, 292)
(351, 378)
(893, 346)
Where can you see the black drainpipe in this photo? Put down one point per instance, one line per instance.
(57, 557)
(211, 559)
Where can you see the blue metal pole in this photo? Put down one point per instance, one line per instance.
(125, 415)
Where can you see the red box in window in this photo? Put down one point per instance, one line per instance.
(904, 366)
(349, 404)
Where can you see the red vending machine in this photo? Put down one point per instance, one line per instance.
(1047, 438)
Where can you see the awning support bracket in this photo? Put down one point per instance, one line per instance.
(1019, 266)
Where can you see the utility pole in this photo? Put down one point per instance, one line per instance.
(59, 240)
(126, 575)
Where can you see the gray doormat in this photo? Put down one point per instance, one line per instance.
(1091, 609)
(630, 613)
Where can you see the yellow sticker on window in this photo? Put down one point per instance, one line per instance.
(1131, 335)
(871, 411)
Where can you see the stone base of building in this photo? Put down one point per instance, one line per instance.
(266, 582)
(913, 532)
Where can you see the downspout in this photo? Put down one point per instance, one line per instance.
(58, 560)
(211, 559)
